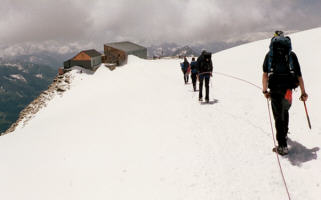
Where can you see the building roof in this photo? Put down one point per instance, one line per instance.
(92, 53)
(126, 46)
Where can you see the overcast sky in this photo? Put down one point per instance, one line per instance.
(88, 23)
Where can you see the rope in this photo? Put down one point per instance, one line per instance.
(234, 77)
(274, 141)
(277, 155)
(204, 73)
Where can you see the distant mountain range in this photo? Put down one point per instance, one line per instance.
(55, 59)
(20, 83)
(175, 50)
(170, 49)
(50, 59)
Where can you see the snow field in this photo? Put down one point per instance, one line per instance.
(139, 132)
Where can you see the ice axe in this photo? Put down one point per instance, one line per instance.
(307, 114)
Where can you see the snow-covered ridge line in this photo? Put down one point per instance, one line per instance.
(59, 85)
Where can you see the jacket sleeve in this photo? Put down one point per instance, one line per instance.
(265, 63)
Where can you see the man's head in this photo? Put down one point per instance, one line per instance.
(278, 33)
(185, 59)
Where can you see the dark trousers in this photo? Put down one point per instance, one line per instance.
(207, 88)
(185, 76)
(194, 78)
(280, 108)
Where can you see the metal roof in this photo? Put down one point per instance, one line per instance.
(126, 46)
(92, 53)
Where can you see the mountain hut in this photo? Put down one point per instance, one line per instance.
(88, 59)
(118, 52)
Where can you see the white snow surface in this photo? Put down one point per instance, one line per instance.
(139, 132)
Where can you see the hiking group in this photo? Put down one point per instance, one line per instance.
(200, 70)
(281, 75)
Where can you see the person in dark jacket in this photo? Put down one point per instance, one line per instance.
(280, 89)
(205, 68)
(194, 72)
(185, 69)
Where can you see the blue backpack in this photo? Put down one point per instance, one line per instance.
(184, 66)
(281, 76)
(194, 67)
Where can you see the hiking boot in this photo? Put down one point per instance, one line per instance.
(282, 150)
(207, 100)
(285, 150)
(200, 99)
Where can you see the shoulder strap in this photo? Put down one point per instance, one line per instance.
(291, 61)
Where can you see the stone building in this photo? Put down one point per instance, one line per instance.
(118, 52)
(88, 59)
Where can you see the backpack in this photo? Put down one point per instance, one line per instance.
(281, 71)
(194, 67)
(184, 66)
(204, 65)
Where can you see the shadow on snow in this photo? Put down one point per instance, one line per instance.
(299, 154)
(214, 101)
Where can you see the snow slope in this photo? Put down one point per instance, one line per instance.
(139, 133)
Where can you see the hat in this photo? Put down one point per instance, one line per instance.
(279, 33)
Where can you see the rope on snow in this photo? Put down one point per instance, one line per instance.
(270, 118)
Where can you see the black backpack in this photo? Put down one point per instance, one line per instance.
(206, 66)
(281, 71)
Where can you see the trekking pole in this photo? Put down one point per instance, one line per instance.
(307, 114)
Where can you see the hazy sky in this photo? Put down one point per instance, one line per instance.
(91, 22)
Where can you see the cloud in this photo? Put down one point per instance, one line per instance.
(35, 21)
(149, 22)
